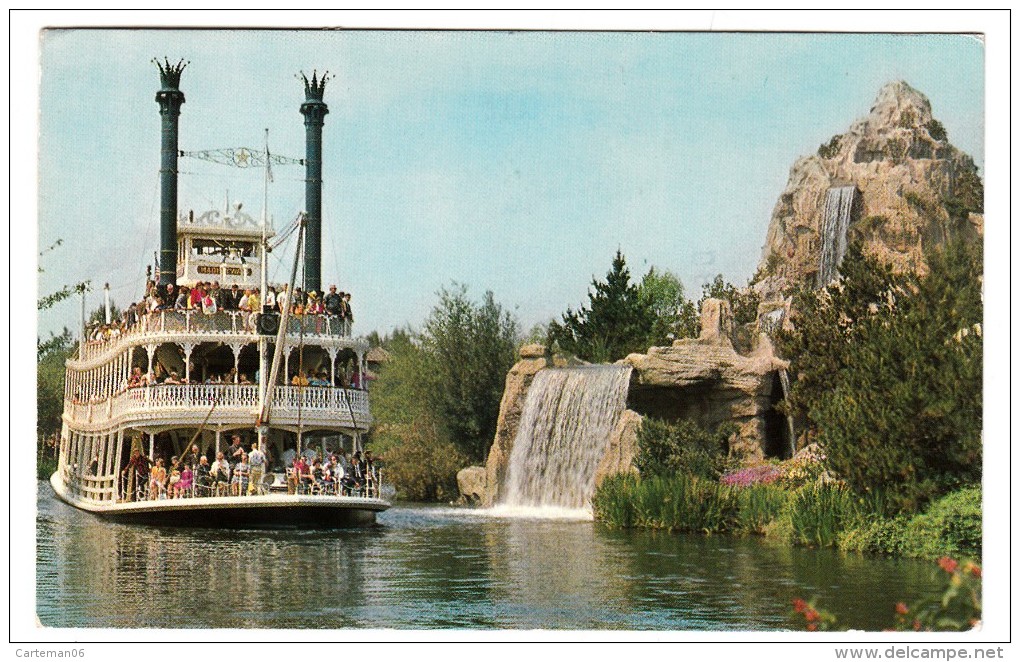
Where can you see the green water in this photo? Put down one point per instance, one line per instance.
(434, 567)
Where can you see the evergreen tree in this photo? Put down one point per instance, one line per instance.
(889, 375)
(617, 321)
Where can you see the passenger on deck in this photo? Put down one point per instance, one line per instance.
(184, 485)
(332, 303)
(157, 482)
(182, 299)
(203, 477)
(192, 458)
(235, 451)
(136, 474)
(175, 476)
(239, 477)
(220, 474)
(357, 473)
(300, 473)
(299, 379)
(257, 460)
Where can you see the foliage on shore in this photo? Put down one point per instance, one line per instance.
(436, 400)
(816, 514)
(888, 373)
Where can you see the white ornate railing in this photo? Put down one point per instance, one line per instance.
(345, 405)
(222, 322)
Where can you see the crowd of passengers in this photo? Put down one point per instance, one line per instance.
(211, 299)
(301, 378)
(239, 472)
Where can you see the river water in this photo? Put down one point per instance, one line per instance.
(425, 567)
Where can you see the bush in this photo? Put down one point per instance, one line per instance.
(423, 467)
(877, 536)
(950, 527)
(666, 449)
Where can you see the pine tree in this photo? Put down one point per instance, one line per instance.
(617, 321)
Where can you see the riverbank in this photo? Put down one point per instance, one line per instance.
(819, 514)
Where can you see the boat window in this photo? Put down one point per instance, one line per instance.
(223, 248)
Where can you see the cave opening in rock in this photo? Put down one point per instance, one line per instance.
(777, 443)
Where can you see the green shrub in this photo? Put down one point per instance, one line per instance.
(423, 466)
(936, 130)
(950, 527)
(829, 149)
(889, 374)
(877, 536)
(613, 501)
(667, 449)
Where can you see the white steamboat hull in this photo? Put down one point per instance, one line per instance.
(267, 510)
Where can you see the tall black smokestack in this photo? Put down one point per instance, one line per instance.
(315, 111)
(169, 99)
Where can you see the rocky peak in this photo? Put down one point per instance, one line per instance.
(899, 106)
(913, 189)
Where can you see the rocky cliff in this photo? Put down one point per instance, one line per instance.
(913, 190)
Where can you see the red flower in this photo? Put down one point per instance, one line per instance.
(948, 564)
(811, 615)
(917, 624)
(799, 605)
(901, 608)
(975, 570)
(812, 627)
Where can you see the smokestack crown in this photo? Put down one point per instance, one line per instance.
(316, 87)
(170, 74)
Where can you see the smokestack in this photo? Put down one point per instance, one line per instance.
(169, 99)
(314, 110)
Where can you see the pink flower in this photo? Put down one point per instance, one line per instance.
(948, 564)
(799, 605)
(901, 608)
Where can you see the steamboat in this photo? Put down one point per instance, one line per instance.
(197, 415)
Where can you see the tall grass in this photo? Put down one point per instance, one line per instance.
(820, 513)
(812, 516)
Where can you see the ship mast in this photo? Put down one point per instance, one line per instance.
(267, 382)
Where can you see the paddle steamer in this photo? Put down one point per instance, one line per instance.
(213, 375)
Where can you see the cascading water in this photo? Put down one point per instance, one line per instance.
(839, 202)
(784, 380)
(564, 432)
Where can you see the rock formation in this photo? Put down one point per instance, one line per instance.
(702, 379)
(914, 190)
(706, 380)
(471, 483)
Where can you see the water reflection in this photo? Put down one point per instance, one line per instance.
(445, 568)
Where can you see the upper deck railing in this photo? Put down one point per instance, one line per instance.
(218, 323)
(342, 406)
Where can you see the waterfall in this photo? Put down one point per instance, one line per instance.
(567, 419)
(784, 380)
(839, 202)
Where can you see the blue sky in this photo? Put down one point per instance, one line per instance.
(512, 161)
